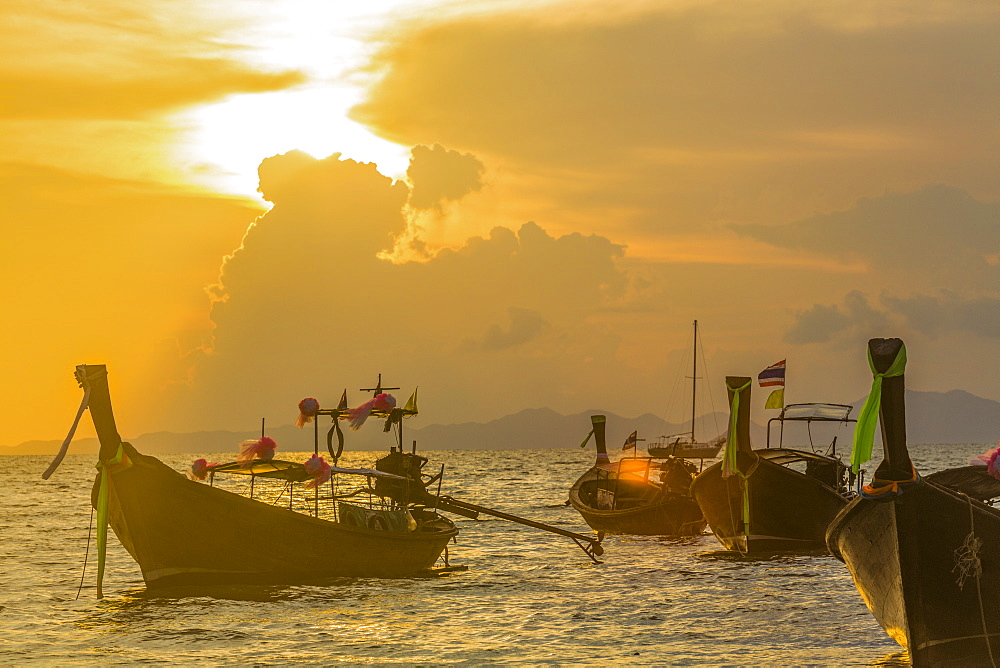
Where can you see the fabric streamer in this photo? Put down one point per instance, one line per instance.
(199, 469)
(260, 448)
(319, 470)
(381, 402)
(116, 463)
(729, 464)
(64, 448)
(732, 445)
(307, 411)
(864, 431)
(990, 459)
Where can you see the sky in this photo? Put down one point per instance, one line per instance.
(510, 204)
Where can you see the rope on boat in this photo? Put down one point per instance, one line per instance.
(968, 564)
(744, 477)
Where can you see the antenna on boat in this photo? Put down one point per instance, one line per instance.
(378, 389)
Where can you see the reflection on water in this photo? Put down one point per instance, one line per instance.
(528, 596)
(894, 660)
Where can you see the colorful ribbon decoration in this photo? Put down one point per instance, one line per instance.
(729, 466)
(864, 431)
(729, 463)
(120, 460)
(875, 490)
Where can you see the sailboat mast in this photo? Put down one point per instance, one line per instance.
(694, 379)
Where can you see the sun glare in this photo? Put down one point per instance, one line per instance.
(329, 42)
(228, 140)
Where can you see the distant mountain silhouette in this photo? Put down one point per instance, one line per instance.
(931, 417)
(948, 417)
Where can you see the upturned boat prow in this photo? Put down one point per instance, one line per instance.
(754, 501)
(925, 558)
(636, 495)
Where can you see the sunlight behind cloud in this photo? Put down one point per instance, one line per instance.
(331, 43)
(229, 139)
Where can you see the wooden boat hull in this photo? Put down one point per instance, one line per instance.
(905, 555)
(789, 511)
(654, 511)
(181, 532)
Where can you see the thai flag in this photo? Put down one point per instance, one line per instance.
(773, 376)
(630, 441)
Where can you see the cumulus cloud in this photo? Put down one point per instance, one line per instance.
(525, 325)
(687, 115)
(306, 305)
(437, 175)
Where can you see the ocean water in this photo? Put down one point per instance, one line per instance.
(527, 596)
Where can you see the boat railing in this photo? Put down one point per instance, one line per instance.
(321, 502)
(640, 470)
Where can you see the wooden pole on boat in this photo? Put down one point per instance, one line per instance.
(100, 409)
(896, 464)
(96, 378)
(694, 381)
(599, 423)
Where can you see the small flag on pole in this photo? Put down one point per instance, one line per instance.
(630, 441)
(774, 376)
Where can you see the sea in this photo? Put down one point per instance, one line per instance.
(527, 596)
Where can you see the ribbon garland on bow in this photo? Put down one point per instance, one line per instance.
(729, 466)
(864, 431)
(105, 468)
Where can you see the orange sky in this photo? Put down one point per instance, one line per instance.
(527, 203)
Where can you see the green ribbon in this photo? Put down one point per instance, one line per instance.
(587, 440)
(102, 516)
(729, 464)
(729, 454)
(864, 431)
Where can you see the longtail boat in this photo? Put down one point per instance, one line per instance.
(636, 495)
(686, 444)
(774, 499)
(925, 557)
(279, 522)
(183, 532)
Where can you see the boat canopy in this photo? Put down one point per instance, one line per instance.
(816, 413)
(259, 468)
(783, 457)
(290, 471)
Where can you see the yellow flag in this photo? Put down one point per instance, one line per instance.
(411, 404)
(776, 400)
